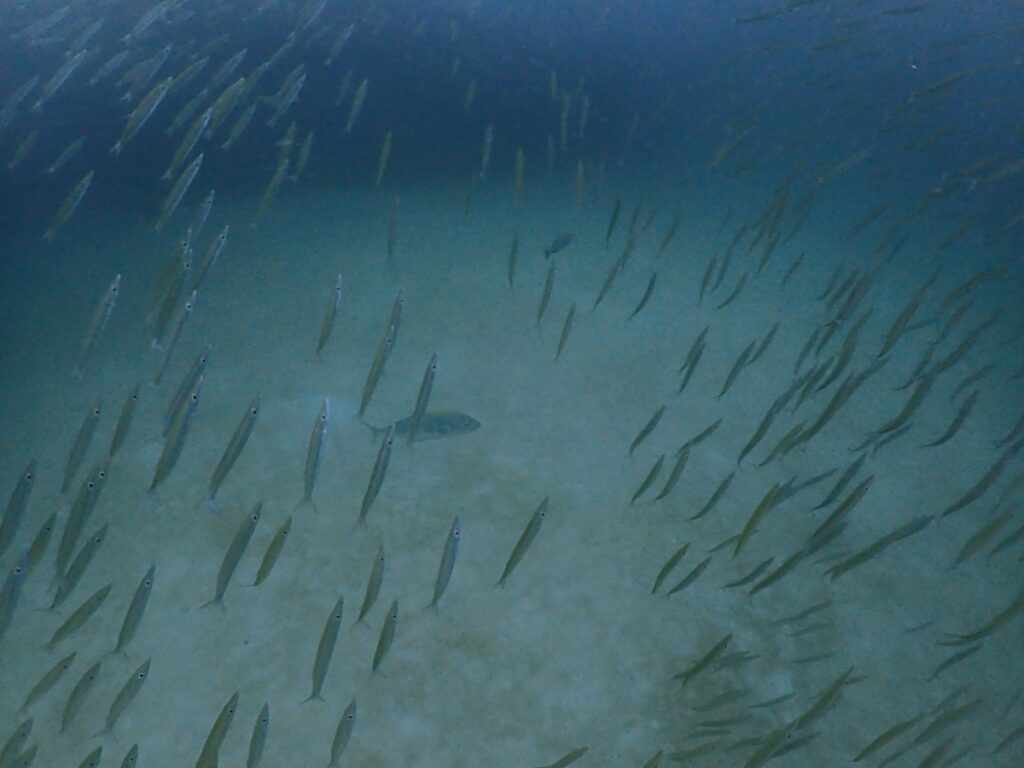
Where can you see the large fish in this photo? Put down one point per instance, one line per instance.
(434, 425)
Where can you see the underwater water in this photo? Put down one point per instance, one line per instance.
(511, 383)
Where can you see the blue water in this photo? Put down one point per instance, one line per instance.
(788, 176)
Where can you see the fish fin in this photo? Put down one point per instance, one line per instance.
(311, 697)
(218, 601)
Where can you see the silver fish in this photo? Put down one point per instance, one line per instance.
(16, 506)
(434, 425)
(327, 326)
(136, 608)
(383, 352)
(444, 571)
(387, 636)
(82, 614)
(11, 592)
(324, 651)
(188, 143)
(81, 445)
(218, 732)
(77, 567)
(233, 449)
(212, 253)
(125, 696)
(374, 583)
(178, 191)
(171, 344)
(78, 694)
(69, 206)
(314, 453)
(141, 114)
(188, 383)
(85, 502)
(422, 398)
(273, 552)
(525, 540)
(380, 468)
(49, 679)
(124, 422)
(343, 733)
(234, 555)
(176, 435)
(259, 737)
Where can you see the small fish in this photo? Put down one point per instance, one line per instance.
(545, 298)
(82, 441)
(374, 584)
(525, 540)
(188, 384)
(646, 297)
(649, 479)
(11, 592)
(343, 733)
(433, 426)
(325, 650)
(48, 680)
(124, 422)
(426, 385)
(175, 441)
(646, 430)
(444, 571)
(567, 759)
(383, 352)
(560, 243)
(314, 453)
(79, 617)
(126, 696)
(17, 505)
(77, 567)
(233, 449)
(97, 324)
(273, 552)
(327, 326)
(131, 757)
(258, 739)
(668, 567)
(387, 636)
(566, 330)
(12, 748)
(136, 608)
(692, 576)
(218, 732)
(92, 760)
(78, 695)
(178, 191)
(234, 554)
(513, 254)
(380, 468)
(41, 540)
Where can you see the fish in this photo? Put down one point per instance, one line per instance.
(387, 636)
(649, 479)
(77, 567)
(178, 191)
(188, 384)
(357, 105)
(567, 759)
(422, 398)
(692, 576)
(566, 330)
(433, 426)
(10, 593)
(172, 343)
(720, 491)
(766, 503)
(545, 299)
(92, 760)
(80, 512)
(16, 505)
(560, 243)
(125, 696)
(70, 151)
(958, 421)
(444, 571)
(123, 422)
(668, 567)
(176, 435)
(888, 735)
(141, 114)
(383, 352)
(325, 650)
(188, 143)
(380, 468)
(513, 254)
(81, 445)
(373, 584)
(136, 609)
(59, 78)
(343, 733)
(233, 449)
(79, 616)
(47, 681)
(647, 429)
(327, 326)
(218, 732)
(314, 454)
(485, 158)
(212, 254)
(69, 206)
(37, 548)
(239, 126)
(78, 694)
(646, 297)
(525, 540)
(234, 555)
(273, 551)
(259, 737)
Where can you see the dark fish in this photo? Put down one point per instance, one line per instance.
(434, 425)
(560, 244)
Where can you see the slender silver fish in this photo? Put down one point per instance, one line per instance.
(525, 540)
(387, 636)
(218, 732)
(79, 616)
(49, 679)
(380, 468)
(81, 445)
(233, 449)
(343, 733)
(124, 421)
(78, 566)
(383, 352)
(234, 555)
(327, 326)
(11, 592)
(444, 571)
(141, 114)
(16, 506)
(78, 694)
(172, 343)
(258, 740)
(80, 512)
(273, 552)
(69, 205)
(314, 453)
(373, 585)
(176, 435)
(137, 607)
(324, 651)
(125, 696)
(422, 398)
(178, 191)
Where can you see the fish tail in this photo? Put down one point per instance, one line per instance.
(306, 505)
(218, 601)
(311, 697)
